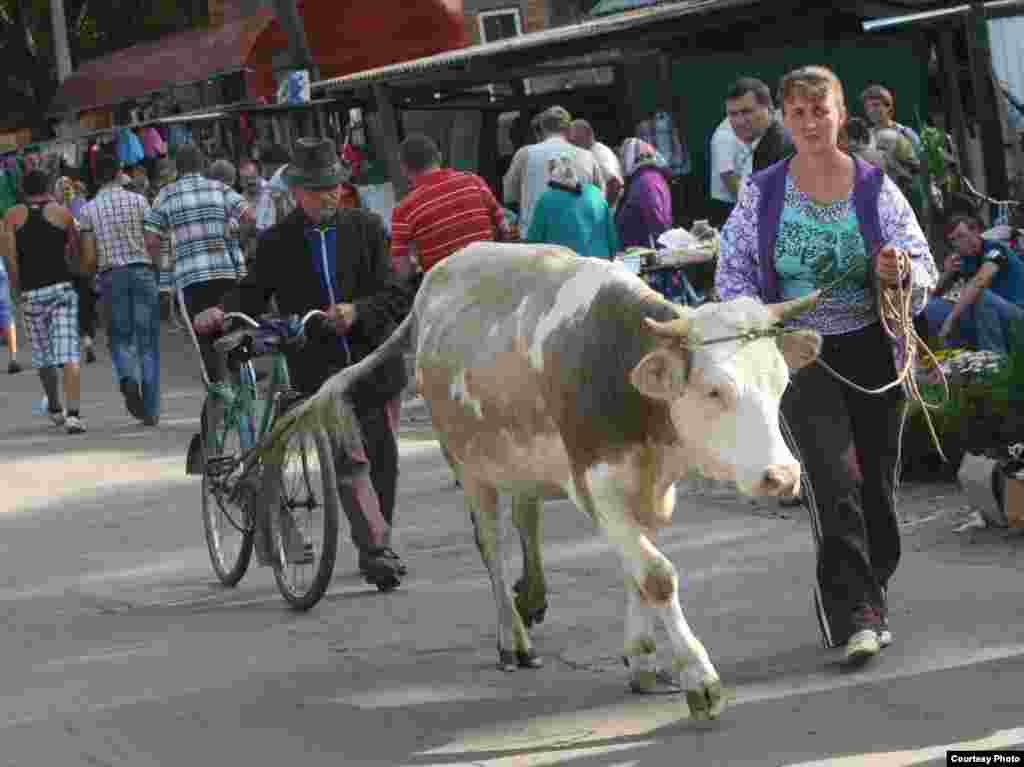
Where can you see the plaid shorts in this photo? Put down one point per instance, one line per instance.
(6, 310)
(51, 315)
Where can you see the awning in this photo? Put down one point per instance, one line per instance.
(596, 30)
(1000, 7)
(607, 7)
(151, 67)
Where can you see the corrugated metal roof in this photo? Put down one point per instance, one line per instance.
(152, 67)
(588, 29)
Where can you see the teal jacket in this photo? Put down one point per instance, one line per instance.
(578, 218)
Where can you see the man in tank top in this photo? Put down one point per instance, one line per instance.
(34, 240)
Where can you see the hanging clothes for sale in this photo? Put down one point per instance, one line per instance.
(8, 190)
(178, 135)
(661, 133)
(129, 148)
(153, 144)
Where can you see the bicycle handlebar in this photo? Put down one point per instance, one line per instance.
(241, 316)
(257, 325)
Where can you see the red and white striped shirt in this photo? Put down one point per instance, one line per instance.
(446, 210)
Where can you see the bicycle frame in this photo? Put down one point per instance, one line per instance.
(243, 405)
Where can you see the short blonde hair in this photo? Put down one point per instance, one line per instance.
(813, 83)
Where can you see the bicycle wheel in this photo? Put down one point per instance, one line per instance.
(226, 523)
(304, 518)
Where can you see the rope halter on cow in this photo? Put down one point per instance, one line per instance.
(681, 330)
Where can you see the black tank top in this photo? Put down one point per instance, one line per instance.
(41, 260)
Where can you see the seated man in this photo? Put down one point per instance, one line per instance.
(982, 312)
(336, 259)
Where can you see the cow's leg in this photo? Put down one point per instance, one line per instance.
(640, 648)
(703, 687)
(531, 591)
(657, 583)
(514, 647)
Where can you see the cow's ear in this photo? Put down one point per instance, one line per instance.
(661, 374)
(799, 348)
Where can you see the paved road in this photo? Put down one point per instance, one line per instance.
(120, 650)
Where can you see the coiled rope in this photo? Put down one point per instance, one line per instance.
(896, 315)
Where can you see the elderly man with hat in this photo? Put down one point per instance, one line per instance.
(325, 256)
(527, 176)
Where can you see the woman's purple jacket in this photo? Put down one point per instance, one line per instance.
(646, 210)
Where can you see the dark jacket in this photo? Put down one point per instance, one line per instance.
(282, 268)
(772, 147)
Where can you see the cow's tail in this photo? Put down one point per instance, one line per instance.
(330, 407)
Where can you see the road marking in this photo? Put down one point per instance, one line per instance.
(420, 696)
(637, 716)
(1001, 739)
(563, 552)
(158, 648)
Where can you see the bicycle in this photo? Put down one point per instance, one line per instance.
(243, 497)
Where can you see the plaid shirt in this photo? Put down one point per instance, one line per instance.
(200, 216)
(116, 217)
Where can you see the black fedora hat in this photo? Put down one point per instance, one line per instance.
(315, 165)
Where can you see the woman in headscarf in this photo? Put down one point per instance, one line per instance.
(573, 214)
(645, 211)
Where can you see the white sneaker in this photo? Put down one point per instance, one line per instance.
(884, 638)
(74, 424)
(862, 646)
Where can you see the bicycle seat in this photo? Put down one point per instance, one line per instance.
(228, 342)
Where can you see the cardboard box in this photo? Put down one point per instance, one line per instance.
(1014, 503)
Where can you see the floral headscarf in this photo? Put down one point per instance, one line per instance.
(637, 154)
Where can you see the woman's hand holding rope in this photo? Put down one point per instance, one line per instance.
(896, 313)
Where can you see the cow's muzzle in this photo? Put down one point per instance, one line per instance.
(780, 481)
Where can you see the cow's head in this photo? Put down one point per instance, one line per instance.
(724, 398)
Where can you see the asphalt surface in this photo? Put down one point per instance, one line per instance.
(120, 649)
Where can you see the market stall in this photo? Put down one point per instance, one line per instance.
(668, 267)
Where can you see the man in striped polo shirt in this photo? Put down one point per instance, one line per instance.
(446, 209)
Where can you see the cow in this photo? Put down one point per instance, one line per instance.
(549, 375)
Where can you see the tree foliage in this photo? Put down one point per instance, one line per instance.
(95, 28)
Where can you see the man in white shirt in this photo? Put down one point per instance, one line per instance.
(735, 145)
(527, 176)
(581, 134)
(727, 162)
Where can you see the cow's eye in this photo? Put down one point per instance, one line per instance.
(715, 394)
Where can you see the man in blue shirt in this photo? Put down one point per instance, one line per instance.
(985, 282)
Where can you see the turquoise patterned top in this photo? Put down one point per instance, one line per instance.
(816, 246)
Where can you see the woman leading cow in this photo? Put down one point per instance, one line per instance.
(820, 219)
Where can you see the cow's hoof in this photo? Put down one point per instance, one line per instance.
(531, 615)
(652, 682)
(706, 702)
(512, 660)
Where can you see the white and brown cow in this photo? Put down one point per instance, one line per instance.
(550, 375)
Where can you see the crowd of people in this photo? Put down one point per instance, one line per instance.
(807, 195)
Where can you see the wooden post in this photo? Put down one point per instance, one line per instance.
(60, 40)
(951, 68)
(986, 106)
(390, 138)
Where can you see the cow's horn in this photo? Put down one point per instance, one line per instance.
(791, 309)
(678, 328)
